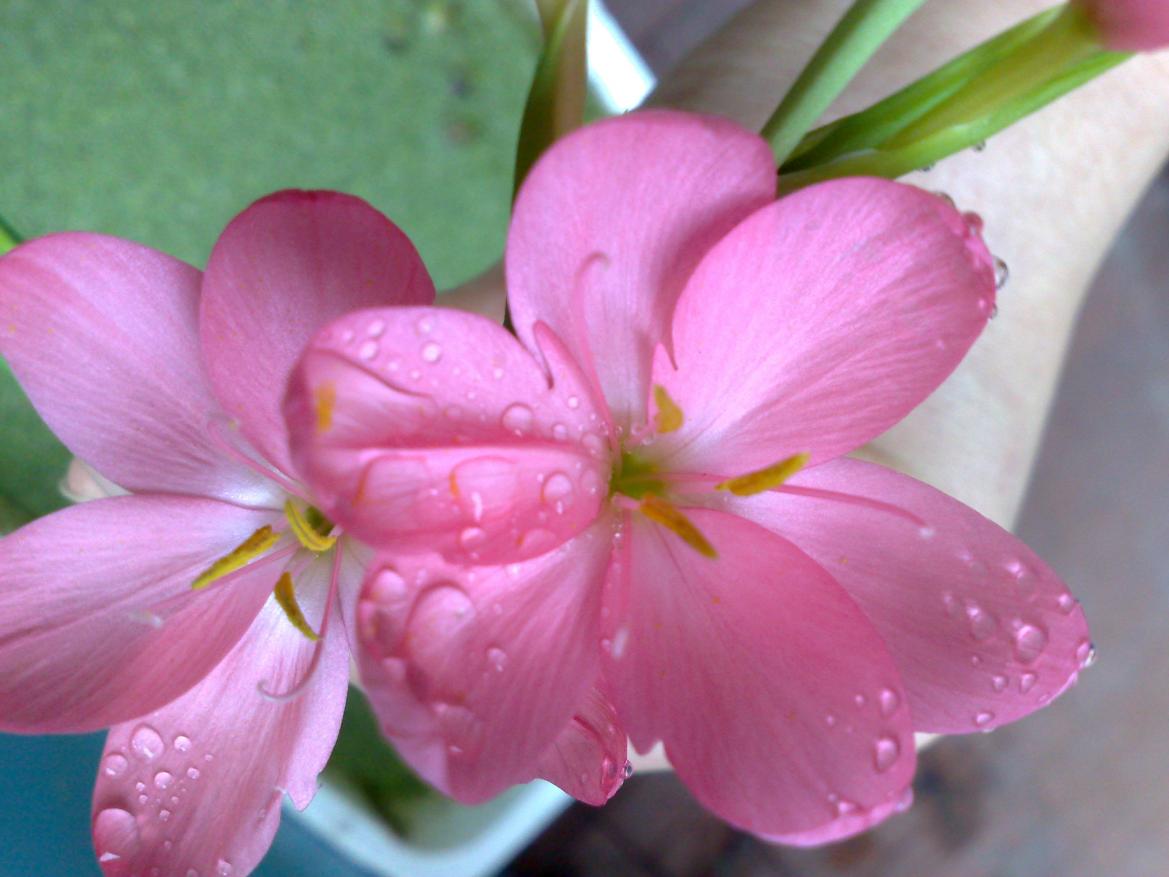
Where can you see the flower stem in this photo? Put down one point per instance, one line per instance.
(959, 105)
(862, 30)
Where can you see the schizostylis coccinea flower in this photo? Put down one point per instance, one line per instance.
(196, 614)
(643, 502)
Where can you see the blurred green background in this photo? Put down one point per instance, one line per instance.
(159, 121)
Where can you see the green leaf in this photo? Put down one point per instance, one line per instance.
(363, 760)
(556, 100)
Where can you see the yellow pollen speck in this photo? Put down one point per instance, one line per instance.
(454, 484)
(312, 536)
(286, 597)
(662, 512)
(765, 479)
(248, 550)
(325, 398)
(669, 416)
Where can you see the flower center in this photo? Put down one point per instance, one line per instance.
(642, 480)
(313, 532)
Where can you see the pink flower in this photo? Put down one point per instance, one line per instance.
(621, 505)
(192, 615)
(1129, 25)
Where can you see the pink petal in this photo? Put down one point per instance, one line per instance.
(982, 630)
(102, 335)
(98, 621)
(778, 704)
(282, 269)
(820, 322)
(196, 786)
(609, 225)
(1129, 25)
(475, 671)
(444, 434)
(588, 759)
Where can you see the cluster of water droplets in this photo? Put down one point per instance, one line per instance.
(1023, 633)
(421, 369)
(885, 749)
(157, 778)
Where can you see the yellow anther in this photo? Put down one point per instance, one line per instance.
(325, 399)
(311, 529)
(765, 479)
(246, 551)
(286, 597)
(662, 512)
(669, 417)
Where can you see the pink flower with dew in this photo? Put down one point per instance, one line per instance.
(1129, 25)
(643, 505)
(196, 614)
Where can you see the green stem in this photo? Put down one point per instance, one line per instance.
(958, 106)
(556, 99)
(876, 124)
(862, 30)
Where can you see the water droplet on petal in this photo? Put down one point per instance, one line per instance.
(1030, 641)
(114, 765)
(1066, 603)
(431, 352)
(998, 682)
(573, 402)
(376, 328)
(223, 867)
(1027, 682)
(927, 532)
(627, 771)
(982, 624)
(886, 751)
(115, 834)
(558, 487)
(163, 779)
(368, 350)
(860, 700)
(905, 800)
(146, 743)
(183, 743)
(559, 432)
(1086, 654)
(983, 718)
(830, 720)
(164, 815)
(497, 658)
(889, 702)
(517, 418)
(1002, 273)
(193, 773)
(620, 641)
(471, 537)
(974, 222)
(424, 326)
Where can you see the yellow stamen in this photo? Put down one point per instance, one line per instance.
(765, 479)
(312, 535)
(246, 551)
(669, 416)
(325, 398)
(659, 510)
(286, 597)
